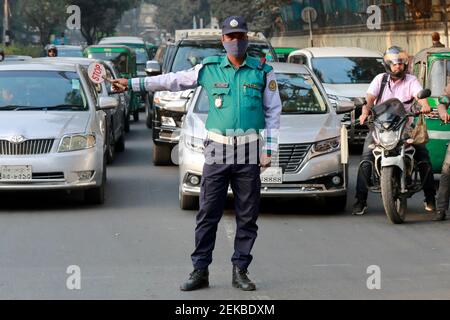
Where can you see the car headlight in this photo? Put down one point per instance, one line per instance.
(194, 144)
(162, 97)
(388, 139)
(326, 146)
(77, 142)
(168, 121)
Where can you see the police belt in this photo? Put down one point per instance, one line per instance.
(233, 140)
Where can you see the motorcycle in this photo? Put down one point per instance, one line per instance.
(396, 175)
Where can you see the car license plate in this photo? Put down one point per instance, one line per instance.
(16, 173)
(272, 175)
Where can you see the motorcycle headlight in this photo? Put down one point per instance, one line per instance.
(388, 139)
(77, 142)
(194, 144)
(326, 146)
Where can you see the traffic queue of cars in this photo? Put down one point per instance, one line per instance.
(64, 138)
(58, 129)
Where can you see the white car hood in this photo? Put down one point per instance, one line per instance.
(42, 124)
(294, 128)
(347, 90)
(308, 128)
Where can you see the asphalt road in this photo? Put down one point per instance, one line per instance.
(138, 244)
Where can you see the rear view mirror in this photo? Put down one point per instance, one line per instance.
(108, 103)
(425, 93)
(153, 68)
(344, 107)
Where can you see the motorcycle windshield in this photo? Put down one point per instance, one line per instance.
(389, 111)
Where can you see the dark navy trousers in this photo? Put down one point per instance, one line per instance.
(245, 183)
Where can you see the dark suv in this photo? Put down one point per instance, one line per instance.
(169, 108)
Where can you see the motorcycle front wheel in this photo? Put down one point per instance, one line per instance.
(394, 205)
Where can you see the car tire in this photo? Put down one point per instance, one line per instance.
(96, 196)
(149, 120)
(111, 146)
(337, 204)
(127, 123)
(161, 155)
(120, 144)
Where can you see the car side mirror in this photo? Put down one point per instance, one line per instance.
(344, 107)
(105, 103)
(425, 93)
(359, 102)
(153, 68)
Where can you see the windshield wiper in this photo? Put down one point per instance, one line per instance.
(12, 107)
(65, 107)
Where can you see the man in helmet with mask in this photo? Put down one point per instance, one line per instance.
(243, 101)
(52, 51)
(395, 83)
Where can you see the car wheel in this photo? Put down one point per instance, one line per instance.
(188, 202)
(120, 144)
(161, 155)
(111, 146)
(337, 204)
(149, 120)
(127, 123)
(96, 196)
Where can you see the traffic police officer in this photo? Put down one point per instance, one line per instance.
(244, 104)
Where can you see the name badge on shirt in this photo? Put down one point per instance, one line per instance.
(220, 85)
(218, 102)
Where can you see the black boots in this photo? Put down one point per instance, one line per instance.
(197, 279)
(240, 279)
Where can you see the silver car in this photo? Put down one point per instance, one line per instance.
(116, 118)
(309, 161)
(52, 129)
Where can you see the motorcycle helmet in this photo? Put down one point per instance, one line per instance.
(52, 48)
(395, 55)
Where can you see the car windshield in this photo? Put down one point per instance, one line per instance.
(119, 59)
(347, 70)
(190, 55)
(70, 53)
(298, 93)
(41, 90)
(439, 77)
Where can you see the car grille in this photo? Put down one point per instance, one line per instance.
(27, 147)
(291, 156)
(48, 176)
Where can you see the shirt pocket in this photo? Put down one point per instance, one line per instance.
(222, 95)
(252, 97)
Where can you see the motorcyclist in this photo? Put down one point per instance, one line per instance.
(395, 83)
(52, 51)
(444, 183)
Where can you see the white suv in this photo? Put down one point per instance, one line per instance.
(345, 73)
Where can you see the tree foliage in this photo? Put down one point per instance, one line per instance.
(173, 15)
(44, 15)
(99, 18)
